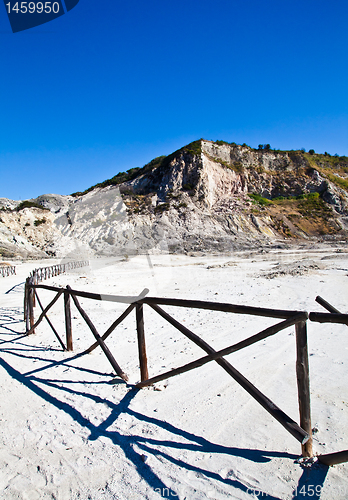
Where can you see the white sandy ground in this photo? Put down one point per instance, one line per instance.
(71, 430)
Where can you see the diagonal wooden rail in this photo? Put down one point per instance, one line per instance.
(272, 330)
(339, 456)
(112, 327)
(98, 338)
(44, 312)
(50, 323)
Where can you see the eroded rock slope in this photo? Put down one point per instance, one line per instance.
(204, 197)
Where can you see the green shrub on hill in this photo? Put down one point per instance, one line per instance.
(38, 222)
(29, 204)
(259, 199)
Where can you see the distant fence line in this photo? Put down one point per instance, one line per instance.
(7, 270)
(302, 432)
(43, 273)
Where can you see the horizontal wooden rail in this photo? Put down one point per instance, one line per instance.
(195, 304)
(329, 318)
(335, 315)
(334, 458)
(223, 307)
(123, 299)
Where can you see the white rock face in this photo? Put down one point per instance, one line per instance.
(32, 233)
(56, 203)
(220, 183)
(97, 220)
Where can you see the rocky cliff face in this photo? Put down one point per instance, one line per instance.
(205, 197)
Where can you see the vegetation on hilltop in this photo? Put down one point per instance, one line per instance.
(334, 168)
(29, 204)
(161, 162)
(277, 200)
(22, 206)
(294, 216)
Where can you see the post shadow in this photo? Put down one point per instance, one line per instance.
(311, 482)
(9, 317)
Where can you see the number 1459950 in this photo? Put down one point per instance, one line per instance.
(32, 7)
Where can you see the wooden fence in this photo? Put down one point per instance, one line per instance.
(44, 273)
(7, 271)
(302, 432)
(334, 316)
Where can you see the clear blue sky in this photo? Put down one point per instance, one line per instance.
(113, 84)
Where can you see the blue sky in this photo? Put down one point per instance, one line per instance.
(112, 84)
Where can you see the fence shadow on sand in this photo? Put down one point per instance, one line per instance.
(131, 443)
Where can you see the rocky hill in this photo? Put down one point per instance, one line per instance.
(207, 196)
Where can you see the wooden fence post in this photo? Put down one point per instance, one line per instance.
(31, 304)
(34, 282)
(302, 372)
(26, 305)
(68, 329)
(141, 342)
(25, 299)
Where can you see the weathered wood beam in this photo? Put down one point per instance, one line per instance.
(334, 458)
(302, 373)
(49, 322)
(112, 327)
(68, 327)
(47, 308)
(25, 304)
(141, 342)
(329, 317)
(217, 306)
(96, 296)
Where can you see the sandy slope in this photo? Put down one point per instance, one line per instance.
(70, 430)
